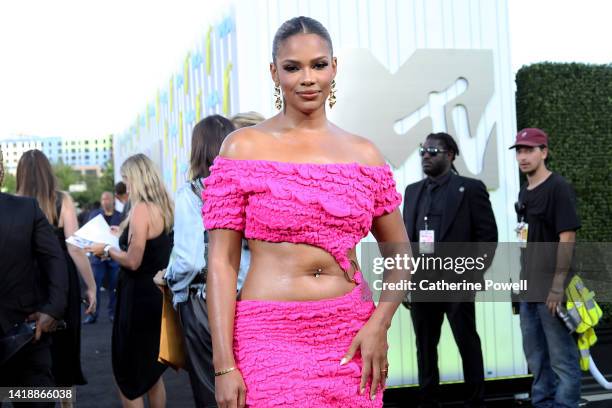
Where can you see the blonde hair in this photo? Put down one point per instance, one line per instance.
(246, 119)
(146, 186)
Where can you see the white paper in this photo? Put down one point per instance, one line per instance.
(96, 230)
(78, 242)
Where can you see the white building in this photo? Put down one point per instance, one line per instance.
(88, 155)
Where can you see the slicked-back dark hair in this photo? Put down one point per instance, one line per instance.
(448, 143)
(206, 140)
(299, 25)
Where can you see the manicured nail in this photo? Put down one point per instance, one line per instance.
(373, 397)
(361, 391)
(343, 361)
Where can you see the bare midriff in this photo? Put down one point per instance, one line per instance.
(294, 272)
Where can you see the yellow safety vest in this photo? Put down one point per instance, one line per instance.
(583, 309)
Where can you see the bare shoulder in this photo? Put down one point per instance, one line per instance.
(148, 212)
(67, 215)
(140, 212)
(67, 204)
(364, 150)
(244, 143)
(66, 198)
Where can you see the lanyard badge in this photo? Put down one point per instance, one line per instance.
(426, 240)
(522, 233)
(522, 228)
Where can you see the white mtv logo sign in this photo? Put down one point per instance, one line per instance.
(433, 91)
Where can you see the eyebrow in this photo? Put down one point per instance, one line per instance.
(285, 61)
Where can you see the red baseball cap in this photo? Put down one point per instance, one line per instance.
(532, 137)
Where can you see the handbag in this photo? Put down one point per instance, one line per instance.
(171, 341)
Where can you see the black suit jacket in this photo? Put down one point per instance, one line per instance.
(33, 274)
(467, 218)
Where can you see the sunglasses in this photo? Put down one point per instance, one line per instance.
(433, 151)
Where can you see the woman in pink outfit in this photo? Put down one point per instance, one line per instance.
(304, 331)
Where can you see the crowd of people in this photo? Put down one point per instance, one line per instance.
(258, 250)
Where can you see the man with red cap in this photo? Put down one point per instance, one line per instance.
(547, 231)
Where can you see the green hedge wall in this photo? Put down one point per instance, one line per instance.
(573, 104)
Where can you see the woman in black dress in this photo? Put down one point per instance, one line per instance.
(35, 179)
(145, 249)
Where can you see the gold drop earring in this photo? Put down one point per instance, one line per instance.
(332, 94)
(278, 102)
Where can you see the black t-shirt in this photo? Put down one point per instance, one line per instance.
(550, 209)
(108, 218)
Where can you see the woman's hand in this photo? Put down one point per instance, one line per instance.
(115, 230)
(230, 390)
(371, 341)
(159, 280)
(97, 249)
(91, 300)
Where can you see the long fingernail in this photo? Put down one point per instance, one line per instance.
(343, 361)
(361, 391)
(373, 397)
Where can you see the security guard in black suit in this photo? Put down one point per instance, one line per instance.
(33, 286)
(445, 207)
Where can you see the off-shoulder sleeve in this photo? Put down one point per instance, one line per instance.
(224, 200)
(386, 198)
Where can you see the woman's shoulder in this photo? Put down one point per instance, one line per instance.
(146, 213)
(143, 211)
(61, 197)
(253, 142)
(64, 201)
(362, 149)
(244, 143)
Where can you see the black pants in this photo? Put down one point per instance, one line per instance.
(427, 319)
(194, 320)
(30, 367)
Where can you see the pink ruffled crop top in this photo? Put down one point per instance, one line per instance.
(330, 206)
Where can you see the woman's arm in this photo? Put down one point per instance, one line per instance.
(371, 340)
(69, 221)
(224, 250)
(389, 230)
(188, 251)
(139, 230)
(224, 261)
(223, 265)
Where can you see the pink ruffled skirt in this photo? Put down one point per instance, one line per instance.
(289, 352)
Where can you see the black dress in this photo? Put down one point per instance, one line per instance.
(66, 344)
(137, 323)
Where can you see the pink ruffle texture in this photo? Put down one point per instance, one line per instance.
(289, 352)
(330, 206)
